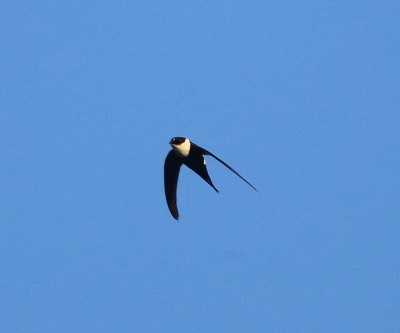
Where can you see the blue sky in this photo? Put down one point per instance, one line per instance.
(302, 99)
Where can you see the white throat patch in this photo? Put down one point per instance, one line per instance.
(183, 148)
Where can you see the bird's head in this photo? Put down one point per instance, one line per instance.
(177, 140)
(181, 145)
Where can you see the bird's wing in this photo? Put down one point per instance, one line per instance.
(172, 166)
(206, 152)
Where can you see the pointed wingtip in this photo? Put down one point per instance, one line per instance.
(248, 183)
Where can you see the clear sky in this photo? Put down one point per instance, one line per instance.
(301, 98)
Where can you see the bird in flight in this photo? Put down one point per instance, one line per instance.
(186, 152)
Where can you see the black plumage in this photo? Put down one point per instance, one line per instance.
(192, 156)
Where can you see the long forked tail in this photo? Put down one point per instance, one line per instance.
(234, 171)
(206, 152)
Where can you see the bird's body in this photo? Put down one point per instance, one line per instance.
(190, 154)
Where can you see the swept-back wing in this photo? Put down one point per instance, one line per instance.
(172, 167)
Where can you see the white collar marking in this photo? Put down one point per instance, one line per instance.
(183, 148)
